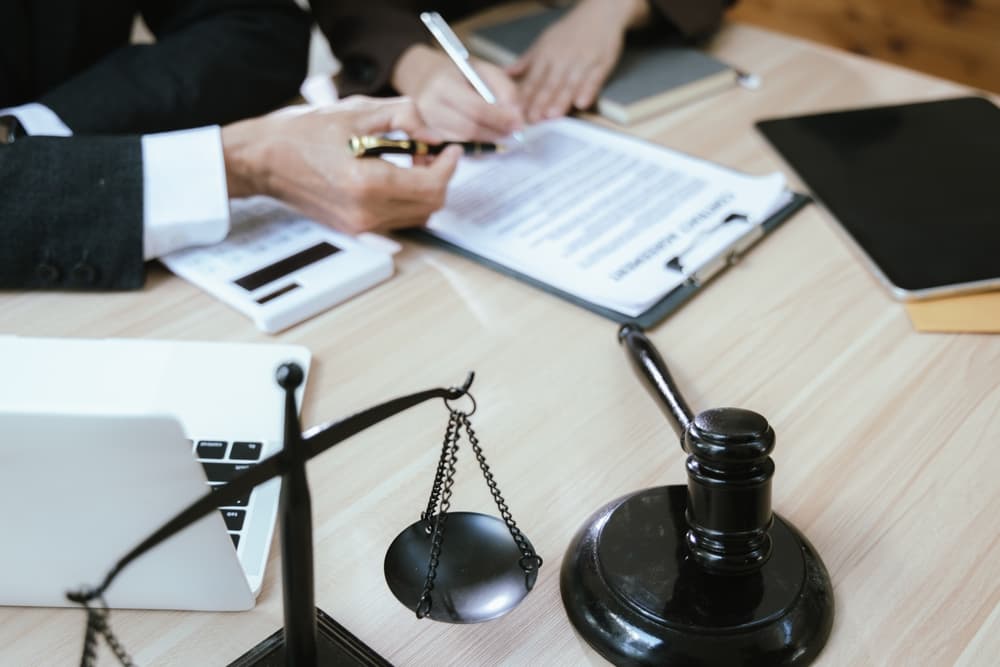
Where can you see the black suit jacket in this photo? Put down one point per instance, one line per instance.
(71, 209)
(369, 36)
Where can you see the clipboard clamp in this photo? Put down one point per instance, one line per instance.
(727, 257)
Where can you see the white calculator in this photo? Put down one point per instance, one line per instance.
(280, 268)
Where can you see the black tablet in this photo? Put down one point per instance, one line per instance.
(916, 186)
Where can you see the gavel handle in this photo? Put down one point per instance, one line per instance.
(648, 364)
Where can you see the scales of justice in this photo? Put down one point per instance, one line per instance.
(702, 574)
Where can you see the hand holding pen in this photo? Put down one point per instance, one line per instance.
(450, 103)
(298, 155)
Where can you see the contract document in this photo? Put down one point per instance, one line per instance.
(609, 219)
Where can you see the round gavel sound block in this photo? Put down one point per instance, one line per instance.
(703, 574)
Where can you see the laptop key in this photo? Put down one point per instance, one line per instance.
(223, 472)
(245, 451)
(242, 501)
(211, 449)
(234, 518)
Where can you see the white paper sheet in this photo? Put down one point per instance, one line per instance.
(614, 220)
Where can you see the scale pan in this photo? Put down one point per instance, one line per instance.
(479, 576)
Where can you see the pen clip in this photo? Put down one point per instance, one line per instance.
(371, 146)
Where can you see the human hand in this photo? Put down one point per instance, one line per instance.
(449, 104)
(300, 156)
(569, 62)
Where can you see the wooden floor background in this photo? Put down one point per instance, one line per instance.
(954, 39)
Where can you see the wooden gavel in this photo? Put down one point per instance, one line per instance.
(703, 574)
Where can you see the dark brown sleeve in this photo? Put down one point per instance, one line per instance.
(693, 19)
(368, 37)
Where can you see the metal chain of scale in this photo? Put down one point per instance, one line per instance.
(97, 623)
(436, 514)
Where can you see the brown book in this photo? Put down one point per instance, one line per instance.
(647, 80)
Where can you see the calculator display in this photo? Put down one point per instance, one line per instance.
(280, 268)
(285, 266)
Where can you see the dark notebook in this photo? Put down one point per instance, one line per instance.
(648, 79)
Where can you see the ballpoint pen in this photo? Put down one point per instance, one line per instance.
(373, 146)
(459, 55)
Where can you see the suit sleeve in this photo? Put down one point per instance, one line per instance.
(71, 213)
(691, 19)
(368, 37)
(214, 61)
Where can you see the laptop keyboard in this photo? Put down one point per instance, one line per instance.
(223, 460)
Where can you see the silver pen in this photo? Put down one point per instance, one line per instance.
(459, 55)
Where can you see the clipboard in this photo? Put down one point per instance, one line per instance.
(670, 301)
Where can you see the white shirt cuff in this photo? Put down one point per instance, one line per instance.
(38, 119)
(185, 201)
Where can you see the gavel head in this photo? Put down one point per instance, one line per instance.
(729, 489)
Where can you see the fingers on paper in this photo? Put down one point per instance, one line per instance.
(589, 88)
(470, 117)
(500, 83)
(551, 96)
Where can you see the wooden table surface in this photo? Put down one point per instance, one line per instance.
(888, 449)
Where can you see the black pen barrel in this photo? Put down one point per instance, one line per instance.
(367, 146)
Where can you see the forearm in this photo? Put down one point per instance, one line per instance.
(624, 14)
(413, 68)
(639, 14)
(368, 37)
(246, 159)
(183, 198)
(692, 19)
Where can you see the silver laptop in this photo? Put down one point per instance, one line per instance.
(102, 441)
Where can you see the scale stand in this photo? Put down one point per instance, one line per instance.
(310, 636)
(488, 569)
(335, 645)
(703, 574)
